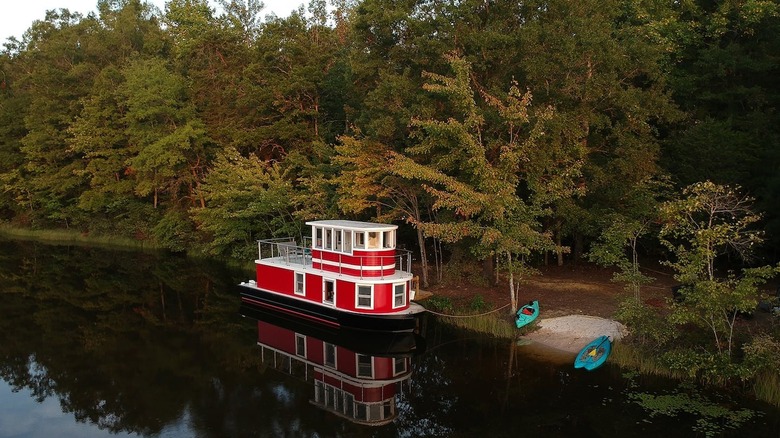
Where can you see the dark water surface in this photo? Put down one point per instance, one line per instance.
(97, 342)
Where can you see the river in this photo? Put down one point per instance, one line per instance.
(98, 342)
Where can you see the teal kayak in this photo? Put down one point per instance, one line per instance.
(594, 354)
(526, 314)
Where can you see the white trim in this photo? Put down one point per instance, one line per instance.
(353, 225)
(325, 363)
(396, 370)
(295, 286)
(406, 300)
(357, 296)
(357, 366)
(331, 302)
(351, 266)
(299, 336)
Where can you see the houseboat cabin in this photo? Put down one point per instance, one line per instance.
(345, 273)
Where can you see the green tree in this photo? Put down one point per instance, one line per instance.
(247, 199)
(477, 180)
(366, 183)
(623, 227)
(707, 222)
(723, 77)
(602, 66)
(170, 143)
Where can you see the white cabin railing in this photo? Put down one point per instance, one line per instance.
(287, 251)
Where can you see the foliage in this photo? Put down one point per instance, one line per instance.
(622, 230)
(706, 366)
(761, 355)
(646, 326)
(478, 303)
(503, 139)
(440, 304)
(707, 222)
(475, 179)
(247, 200)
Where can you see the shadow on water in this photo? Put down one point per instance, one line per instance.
(153, 344)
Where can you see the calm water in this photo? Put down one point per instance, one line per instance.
(96, 342)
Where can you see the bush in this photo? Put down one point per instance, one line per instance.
(647, 327)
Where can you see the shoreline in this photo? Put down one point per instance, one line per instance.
(571, 333)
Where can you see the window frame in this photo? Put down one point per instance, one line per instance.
(404, 294)
(364, 368)
(370, 287)
(302, 290)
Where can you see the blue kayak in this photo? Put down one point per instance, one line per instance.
(526, 314)
(594, 354)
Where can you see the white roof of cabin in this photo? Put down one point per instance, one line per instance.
(352, 225)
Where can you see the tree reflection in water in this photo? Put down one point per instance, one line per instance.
(149, 344)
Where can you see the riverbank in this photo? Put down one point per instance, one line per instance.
(571, 333)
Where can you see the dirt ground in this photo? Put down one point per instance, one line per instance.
(576, 302)
(585, 289)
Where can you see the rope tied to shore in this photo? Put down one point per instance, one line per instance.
(467, 316)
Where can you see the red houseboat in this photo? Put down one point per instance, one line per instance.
(346, 274)
(360, 386)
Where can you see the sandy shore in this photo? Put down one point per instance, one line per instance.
(571, 333)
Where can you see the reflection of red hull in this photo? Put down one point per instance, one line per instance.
(356, 374)
(376, 343)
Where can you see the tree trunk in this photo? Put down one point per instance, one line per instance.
(512, 292)
(487, 269)
(578, 247)
(423, 257)
(559, 248)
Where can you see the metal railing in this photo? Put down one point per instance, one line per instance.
(289, 252)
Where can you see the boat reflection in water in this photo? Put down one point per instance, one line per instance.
(356, 375)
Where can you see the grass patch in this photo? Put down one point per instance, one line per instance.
(489, 324)
(767, 387)
(475, 316)
(628, 356)
(68, 237)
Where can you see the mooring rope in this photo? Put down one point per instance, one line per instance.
(467, 316)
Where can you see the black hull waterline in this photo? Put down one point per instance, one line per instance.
(329, 316)
(380, 344)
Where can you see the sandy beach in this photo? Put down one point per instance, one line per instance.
(571, 333)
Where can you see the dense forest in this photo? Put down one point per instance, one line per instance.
(494, 130)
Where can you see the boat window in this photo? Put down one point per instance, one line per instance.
(388, 409)
(339, 400)
(361, 413)
(360, 239)
(373, 240)
(300, 283)
(300, 345)
(375, 412)
(330, 396)
(388, 239)
(328, 238)
(365, 366)
(330, 355)
(338, 234)
(399, 366)
(328, 291)
(347, 241)
(364, 296)
(349, 405)
(319, 391)
(399, 295)
(318, 237)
